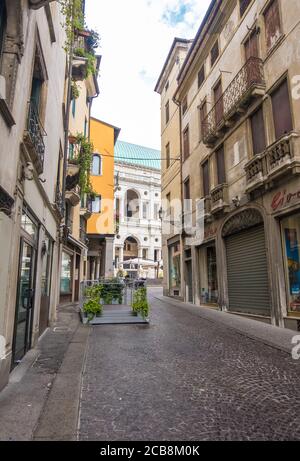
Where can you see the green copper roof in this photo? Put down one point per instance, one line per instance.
(137, 155)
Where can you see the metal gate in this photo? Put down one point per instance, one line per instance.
(247, 272)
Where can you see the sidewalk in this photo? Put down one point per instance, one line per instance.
(41, 401)
(280, 338)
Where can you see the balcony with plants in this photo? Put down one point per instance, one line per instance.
(249, 83)
(78, 182)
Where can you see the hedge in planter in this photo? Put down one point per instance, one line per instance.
(92, 306)
(140, 303)
(112, 291)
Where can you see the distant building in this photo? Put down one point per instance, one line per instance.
(100, 227)
(137, 211)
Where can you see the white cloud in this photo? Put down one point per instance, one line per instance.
(135, 40)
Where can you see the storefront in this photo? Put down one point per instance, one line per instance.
(290, 235)
(174, 269)
(248, 289)
(207, 263)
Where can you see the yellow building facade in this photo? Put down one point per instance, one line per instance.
(100, 226)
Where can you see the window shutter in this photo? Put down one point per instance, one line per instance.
(282, 110)
(221, 165)
(203, 114)
(219, 106)
(205, 178)
(272, 23)
(214, 53)
(251, 46)
(186, 143)
(258, 131)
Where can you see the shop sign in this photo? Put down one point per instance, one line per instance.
(284, 198)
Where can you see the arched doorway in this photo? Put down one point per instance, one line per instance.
(132, 205)
(247, 267)
(131, 252)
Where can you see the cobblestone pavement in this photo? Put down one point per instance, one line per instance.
(186, 378)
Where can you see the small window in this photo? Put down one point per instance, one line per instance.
(205, 178)
(167, 108)
(272, 24)
(187, 191)
(184, 105)
(97, 165)
(214, 54)
(186, 143)
(282, 115)
(243, 6)
(168, 160)
(201, 76)
(96, 204)
(220, 165)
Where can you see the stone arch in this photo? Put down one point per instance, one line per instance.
(132, 203)
(242, 220)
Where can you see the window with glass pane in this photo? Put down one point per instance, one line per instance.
(66, 273)
(29, 226)
(290, 229)
(96, 204)
(96, 166)
(186, 143)
(167, 108)
(214, 54)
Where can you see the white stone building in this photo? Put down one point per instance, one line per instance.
(137, 211)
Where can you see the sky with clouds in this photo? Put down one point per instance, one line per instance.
(136, 36)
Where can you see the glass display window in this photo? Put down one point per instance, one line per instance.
(290, 232)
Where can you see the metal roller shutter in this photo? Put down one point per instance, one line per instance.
(248, 285)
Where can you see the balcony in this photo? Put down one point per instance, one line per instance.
(255, 173)
(59, 202)
(219, 199)
(33, 138)
(85, 212)
(280, 159)
(73, 195)
(283, 157)
(246, 85)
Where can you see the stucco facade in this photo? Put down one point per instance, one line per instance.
(241, 158)
(30, 148)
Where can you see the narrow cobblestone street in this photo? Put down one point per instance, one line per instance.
(185, 377)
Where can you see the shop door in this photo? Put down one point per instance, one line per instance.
(46, 286)
(189, 281)
(25, 301)
(247, 272)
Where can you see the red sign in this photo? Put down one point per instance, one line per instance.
(283, 198)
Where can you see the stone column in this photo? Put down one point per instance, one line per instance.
(109, 252)
(97, 268)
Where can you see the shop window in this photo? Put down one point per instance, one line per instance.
(175, 267)
(167, 110)
(221, 176)
(282, 115)
(209, 276)
(186, 143)
(258, 131)
(272, 23)
(290, 228)
(214, 54)
(201, 76)
(66, 274)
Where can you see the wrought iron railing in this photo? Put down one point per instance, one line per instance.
(36, 132)
(250, 76)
